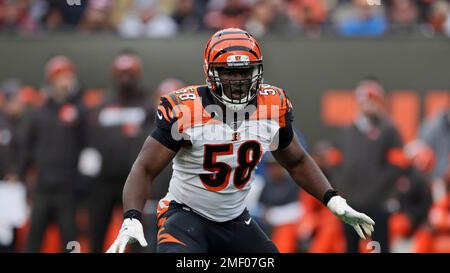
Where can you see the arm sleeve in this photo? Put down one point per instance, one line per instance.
(286, 133)
(164, 120)
(165, 138)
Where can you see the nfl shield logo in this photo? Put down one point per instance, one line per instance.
(236, 136)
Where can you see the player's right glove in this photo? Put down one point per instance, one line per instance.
(357, 220)
(130, 232)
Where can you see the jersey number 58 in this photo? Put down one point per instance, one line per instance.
(248, 156)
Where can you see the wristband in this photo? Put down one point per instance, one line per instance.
(328, 195)
(133, 214)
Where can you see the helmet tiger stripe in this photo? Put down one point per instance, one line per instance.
(232, 47)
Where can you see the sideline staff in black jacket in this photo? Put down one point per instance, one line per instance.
(372, 160)
(116, 130)
(53, 142)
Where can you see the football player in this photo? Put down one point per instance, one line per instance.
(216, 134)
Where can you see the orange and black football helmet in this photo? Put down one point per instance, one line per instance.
(233, 48)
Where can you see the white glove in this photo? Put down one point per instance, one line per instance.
(130, 232)
(357, 220)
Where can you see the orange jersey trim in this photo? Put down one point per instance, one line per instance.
(187, 108)
(272, 104)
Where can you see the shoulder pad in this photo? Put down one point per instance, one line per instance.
(273, 103)
(185, 106)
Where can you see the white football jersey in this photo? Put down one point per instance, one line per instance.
(215, 161)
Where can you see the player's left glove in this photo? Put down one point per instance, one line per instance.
(357, 220)
(130, 232)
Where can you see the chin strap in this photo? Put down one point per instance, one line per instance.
(233, 106)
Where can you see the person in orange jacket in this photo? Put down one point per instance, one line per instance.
(319, 231)
(280, 206)
(435, 237)
(411, 199)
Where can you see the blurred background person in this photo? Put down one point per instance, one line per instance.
(269, 16)
(434, 237)
(226, 13)
(372, 160)
(165, 18)
(145, 19)
(436, 133)
(12, 111)
(308, 16)
(52, 146)
(438, 15)
(403, 16)
(280, 205)
(188, 15)
(16, 17)
(411, 199)
(55, 15)
(118, 11)
(114, 131)
(319, 231)
(165, 87)
(96, 17)
(361, 19)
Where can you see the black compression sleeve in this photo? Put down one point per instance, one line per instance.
(165, 138)
(285, 134)
(328, 195)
